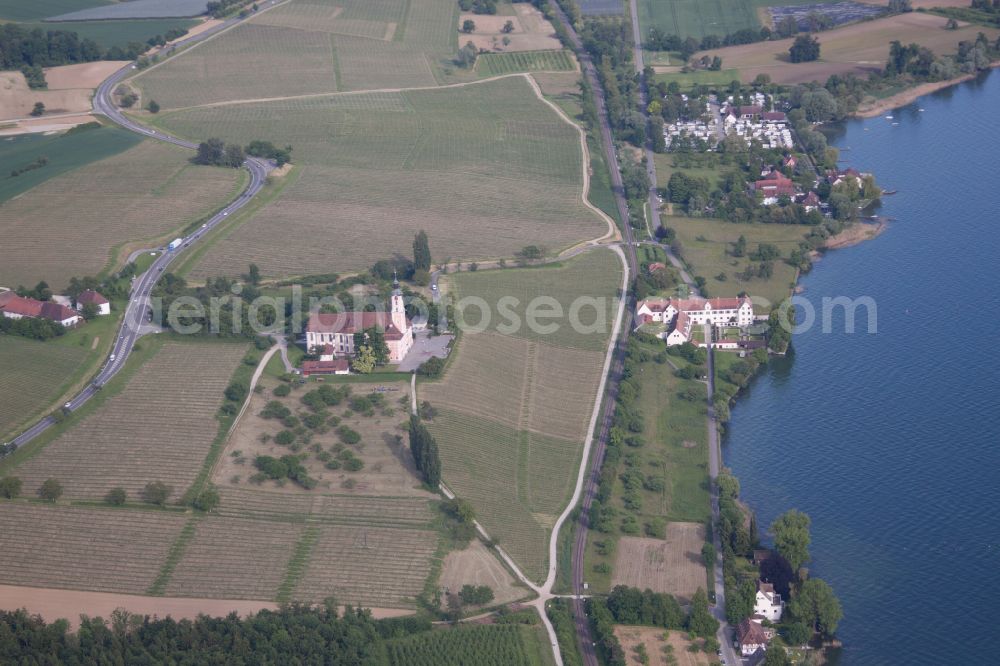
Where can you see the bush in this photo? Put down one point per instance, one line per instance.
(476, 594)
(206, 500)
(115, 497)
(10, 487)
(284, 438)
(51, 490)
(156, 492)
(281, 390)
(348, 435)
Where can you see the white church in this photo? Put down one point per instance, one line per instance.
(332, 334)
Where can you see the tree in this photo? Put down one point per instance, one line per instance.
(206, 500)
(364, 360)
(900, 6)
(421, 252)
(817, 606)
(508, 27)
(38, 110)
(116, 497)
(153, 106)
(952, 24)
(700, 621)
(156, 492)
(234, 156)
(374, 338)
(89, 311)
(476, 595)
(776, 656)
(467, 56)
(253, 275)
(804, 49)
(10, 487)
(128, 100)
(795, 633)
(424, 449)
(210, 152)
(468, 25)
(791, 537)
(51, 490)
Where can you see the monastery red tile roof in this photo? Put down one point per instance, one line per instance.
(350, 323)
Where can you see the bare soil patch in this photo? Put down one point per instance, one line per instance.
(532, 32)
(36, 125)
(673, 565)
(860, 48)
(85, 75)
(659, 644)
(476, 565)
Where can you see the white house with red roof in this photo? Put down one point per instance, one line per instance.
(91, 297)
(773, 186)
(750, 637)
(13, 306)
(680, 315)
(333, 334)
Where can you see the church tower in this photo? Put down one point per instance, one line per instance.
(397, 310)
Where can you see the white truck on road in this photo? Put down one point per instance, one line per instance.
(175, 243)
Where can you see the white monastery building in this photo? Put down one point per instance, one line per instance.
(681, 315)
(333, 334)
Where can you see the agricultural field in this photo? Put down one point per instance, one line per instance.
(665, 648)
(142, 194)
(529, 30)
(234, 559)
(387, 468)
(495, 64)
(706, 248)
(105, 550)
(700, 77)
(601, 7)
(158, 428)
(861, 48)
(485, 645)
(135, 9)
(118, 33)
(19, 10)
(34, 374)
(514, 411)
(369, 566)
(354, 45)
(63, 152)
(672, 565)
(485, 169)
(476, 565)
(697, 18)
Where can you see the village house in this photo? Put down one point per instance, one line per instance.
(15, 307)
(750, 637)
(836, 177)
(328, 364)
(681, 315)
(768, 604)
(773, 186)
(332, 334)
(91, 297)
(810, 201)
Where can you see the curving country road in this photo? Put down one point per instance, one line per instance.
(138, 302)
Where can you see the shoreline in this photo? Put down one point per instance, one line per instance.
(910, 95)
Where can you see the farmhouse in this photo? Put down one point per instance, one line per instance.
(681, 315)
(773, 186)
(333, 334)
(750, 638)
(768, 604)
(91, 297)
(15, 307)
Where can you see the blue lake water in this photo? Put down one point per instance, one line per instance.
(891, 441)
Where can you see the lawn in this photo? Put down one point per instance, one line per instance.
(117, 33)
(62, 152)
(160, 428)
(703, 165)
(861, 48)
(515, 410)
(71, 225)
(485, 169)
(34, 375)
(707, 244)
(20, 10)
(701, 77)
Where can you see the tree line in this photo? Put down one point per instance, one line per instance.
(34, 47)
(424, 448)
(216, 152)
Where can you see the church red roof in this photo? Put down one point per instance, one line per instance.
(350, 323)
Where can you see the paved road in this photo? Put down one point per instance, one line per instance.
(138, 303)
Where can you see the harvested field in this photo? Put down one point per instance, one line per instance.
(659, 644)
(518, 482)
(81, 215)
(158, 429)
(388, 468)
(858, 49)
(495, 64)
(590, 281)
(249, 61)
(17, 100)
(673, 565)
(531, 32)
(485, 169)
(85, 75)
(346, 509)
(369, 566)
(476, 565)
(234, 559)
(522, 384)
(34, 374)
(105, 550)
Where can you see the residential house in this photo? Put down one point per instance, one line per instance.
(335, 332)
(91, 297)
(774, 186)
(789, 161)
(749, 112)
(15, 307)
(810, 201)
(750, 638)
(768, 603)
(776, 117)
